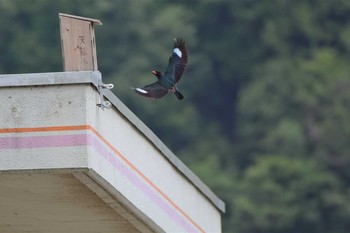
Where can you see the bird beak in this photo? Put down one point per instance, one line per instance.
(154, 72)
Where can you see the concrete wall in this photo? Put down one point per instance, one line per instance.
(51, 121)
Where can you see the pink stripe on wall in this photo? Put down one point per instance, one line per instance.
(43, 141)
(89, 140)
(137, 182)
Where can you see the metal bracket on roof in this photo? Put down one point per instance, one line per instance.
(104, 103)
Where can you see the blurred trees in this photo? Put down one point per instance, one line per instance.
(280, 194)
(265, 120)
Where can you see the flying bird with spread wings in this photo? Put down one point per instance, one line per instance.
(167, 82)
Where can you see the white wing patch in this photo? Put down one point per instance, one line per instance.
(178, 52)
(141, 90)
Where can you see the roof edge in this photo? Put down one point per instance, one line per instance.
(94, 21)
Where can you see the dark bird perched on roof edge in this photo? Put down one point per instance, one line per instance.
(167, 81)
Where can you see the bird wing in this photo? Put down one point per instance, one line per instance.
(181, 63)
(178, 60)
(154, 90)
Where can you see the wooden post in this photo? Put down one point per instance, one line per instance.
(78, 43)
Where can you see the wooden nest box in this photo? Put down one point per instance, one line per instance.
(78, 42)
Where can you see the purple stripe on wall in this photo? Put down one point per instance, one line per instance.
(136, 181)
(42, 141)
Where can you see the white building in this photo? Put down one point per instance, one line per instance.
(67, 165)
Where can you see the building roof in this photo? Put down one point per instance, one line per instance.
(68, 143)
(94, 78)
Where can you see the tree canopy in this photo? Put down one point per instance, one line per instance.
(265, 119)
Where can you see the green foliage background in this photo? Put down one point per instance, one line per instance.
(265, 120)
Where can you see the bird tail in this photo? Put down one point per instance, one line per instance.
(179, 95)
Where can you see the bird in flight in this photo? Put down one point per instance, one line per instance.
(167, 82)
